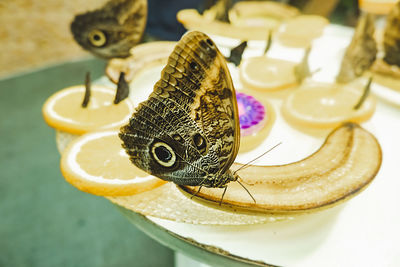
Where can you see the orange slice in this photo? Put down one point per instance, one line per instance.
(144, 56)
(265, 14)
(96, 163)
(380, 7)
(63, 110)
(323, 105)
(267, 74)
(192, 20)
(301, 30)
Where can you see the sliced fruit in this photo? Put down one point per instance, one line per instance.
(144, 56)
(96, 163)
(324, 105)
(301, 30)
(265, 14)
(345, 164)
(63, 139)
(377, 7)
(385, 74)
(63, 110)
(192, 20)
(267, 74)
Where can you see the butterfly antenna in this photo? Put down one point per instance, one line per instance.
(251, 161)
(247, 190)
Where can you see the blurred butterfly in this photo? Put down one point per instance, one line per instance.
(112, 30)
(391, 41)
(188, 130)
(361, 53)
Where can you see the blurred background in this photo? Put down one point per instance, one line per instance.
(36, 33)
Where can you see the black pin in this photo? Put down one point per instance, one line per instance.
(302, 70)
(367, 89)
(122, 89)
(269, 42)
(236, 54)
(88, 85)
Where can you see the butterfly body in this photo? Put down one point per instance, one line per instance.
(188, 131)
(112, 30)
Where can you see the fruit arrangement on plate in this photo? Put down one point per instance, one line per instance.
(223, 130)
(347, 161)
(270, 117)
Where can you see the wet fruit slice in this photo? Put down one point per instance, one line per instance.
(301, 30)
(345, 164)
(323, 105)
(267, 74)
(96, 163)
(64, 112)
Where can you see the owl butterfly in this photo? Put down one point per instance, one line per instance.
(112, 30)
(188, 130)
(361, 52)
(391, 39)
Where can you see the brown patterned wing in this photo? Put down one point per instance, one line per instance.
(111, 31)
(188, 130)
(361, 52)
(391, 39)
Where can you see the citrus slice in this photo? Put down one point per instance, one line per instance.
(301, 30)
(63, 110)
(267, 74)
(144, 56)
(96, 163)
(381, 7)
(265, 14)
(192, 20)
(323, 105)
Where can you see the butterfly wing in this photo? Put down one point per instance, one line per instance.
(112, 30)
(361, 52)
(391, 40)
(188, 130)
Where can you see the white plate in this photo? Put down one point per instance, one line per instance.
(362, 232)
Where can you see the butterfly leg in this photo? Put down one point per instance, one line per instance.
(196, 192)
(248, 192)
(223, 194)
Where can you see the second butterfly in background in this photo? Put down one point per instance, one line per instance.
(112, 30)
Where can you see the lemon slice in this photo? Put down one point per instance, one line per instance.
(301, 30)
(267, 74)
(96, 163)
(265, 14)
(144, 56)
(63, 110)
(192, 20)
(323, 105)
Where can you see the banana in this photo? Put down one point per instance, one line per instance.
(344, 165)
